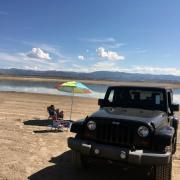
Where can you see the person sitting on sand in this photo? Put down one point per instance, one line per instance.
(55, 113)
(60, 114)
(50, 110)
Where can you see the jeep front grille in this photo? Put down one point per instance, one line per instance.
(116, 133)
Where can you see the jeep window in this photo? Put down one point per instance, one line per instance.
(170, 102)
(137, 98)
(111, 95)
(170, 99)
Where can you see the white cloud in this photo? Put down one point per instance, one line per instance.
(48, 48)
(99, 66)
(22, 61)
(38, 54)
(110, 55)
(80, 57)
(155, 70)
(113, 66)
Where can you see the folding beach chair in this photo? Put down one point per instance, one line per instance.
(61, 124)
(56, 124)
(57, 119)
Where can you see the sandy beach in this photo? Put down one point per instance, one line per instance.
(30, 150)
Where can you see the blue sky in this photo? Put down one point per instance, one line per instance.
(119, 35)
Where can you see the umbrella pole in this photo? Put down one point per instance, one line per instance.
(72, 102)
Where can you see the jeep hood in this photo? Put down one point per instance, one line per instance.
(132, 114)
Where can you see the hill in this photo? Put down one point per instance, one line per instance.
(97, 75)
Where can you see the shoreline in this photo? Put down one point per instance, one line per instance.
(45, 94)
(95, 82)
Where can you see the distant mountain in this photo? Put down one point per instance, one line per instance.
(98, 75)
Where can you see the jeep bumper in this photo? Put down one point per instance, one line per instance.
(120, 154)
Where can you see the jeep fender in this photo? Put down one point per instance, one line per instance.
(77, 127)
(175, 123)
(164, 135)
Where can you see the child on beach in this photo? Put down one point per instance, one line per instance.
(55, 113)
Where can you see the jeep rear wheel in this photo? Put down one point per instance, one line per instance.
(79, 161)
(163, 172)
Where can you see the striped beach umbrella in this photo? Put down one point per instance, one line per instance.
(73, 87)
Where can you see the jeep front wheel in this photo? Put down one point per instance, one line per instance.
(79, 161)
(163, 172)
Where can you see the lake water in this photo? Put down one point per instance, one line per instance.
(98, 91)
(48, 88)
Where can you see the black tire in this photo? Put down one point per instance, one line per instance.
(174, 144)
(79, 161)
(163, 172)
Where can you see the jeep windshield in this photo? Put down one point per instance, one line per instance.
(135, 97)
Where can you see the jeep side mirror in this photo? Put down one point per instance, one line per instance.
(101, 102)
(175, 107)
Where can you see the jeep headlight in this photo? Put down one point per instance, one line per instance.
(91, 125)
(143, 131)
